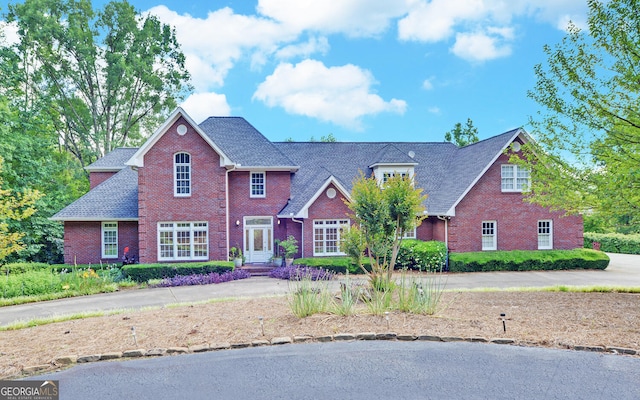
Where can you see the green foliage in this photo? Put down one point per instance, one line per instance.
(462, 136)
(420, 255)
(22, 267)
(421, 294)
(289, 246)
(522, 260)
(383, 213)
(145, 272)
(613, 242)
(587, 155)
(106, 76)
(335, 264)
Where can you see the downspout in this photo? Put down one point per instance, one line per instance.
(302, 238)
(226, 196)
(446, 240)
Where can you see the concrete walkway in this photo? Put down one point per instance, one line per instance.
(624, 270)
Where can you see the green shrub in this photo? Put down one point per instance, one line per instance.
(30, 283)
(613, 242)
(420, 255)
(335, 264)
(522, 260)
(22, 267)
(144, 272)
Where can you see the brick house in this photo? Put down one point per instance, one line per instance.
(191, 192)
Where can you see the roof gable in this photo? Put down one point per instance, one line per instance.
(137, 160)
(391, 155)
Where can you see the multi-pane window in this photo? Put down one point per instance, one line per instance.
(326, 236)
(183, 241)
(489, 237)
(514, 178)
(258, 184)
(109, 240)
(182, 174)
(545, 234)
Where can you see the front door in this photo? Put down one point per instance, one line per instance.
(258, 239)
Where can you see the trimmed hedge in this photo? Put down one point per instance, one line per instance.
(143, 272)
(613, 242)
(338, 265)
(420, 255)
(534, 260)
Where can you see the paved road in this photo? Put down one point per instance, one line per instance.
(361, 370)
(624, 270)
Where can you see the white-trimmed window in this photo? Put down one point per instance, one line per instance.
(109, 240)
(326, 236)
(183, 241)
(410, 234)
(258, 184)
(545, 234)
(515, 178)
(489, 235)
(182, 174)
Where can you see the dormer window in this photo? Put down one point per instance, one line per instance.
(383, 174)
(182, 175)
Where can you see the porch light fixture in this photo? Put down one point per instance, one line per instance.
(237, 222)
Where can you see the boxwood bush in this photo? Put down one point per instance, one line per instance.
(521, 260)
(144, 272)
(22, 267)
(613, 242)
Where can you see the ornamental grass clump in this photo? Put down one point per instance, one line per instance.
(308, 296)
(203, 279)
(420, 294)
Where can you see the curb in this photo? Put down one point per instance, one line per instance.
(69, 360)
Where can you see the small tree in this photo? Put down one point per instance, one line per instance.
(382, 212)
(14, 207)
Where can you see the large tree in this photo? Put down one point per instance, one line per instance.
(108, 76)
(587, 156)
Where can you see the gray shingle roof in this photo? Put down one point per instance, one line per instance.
(114, 160)
(114, 199)
(243, 144)
(444, 171)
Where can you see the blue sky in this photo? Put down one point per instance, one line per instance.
(365, 70)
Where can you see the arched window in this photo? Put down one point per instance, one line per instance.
(182, 174)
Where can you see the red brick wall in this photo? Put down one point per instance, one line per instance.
(323, 208)
(156, 201)
(83, 241)
(517, 221)
(96, 178)
(241, 204)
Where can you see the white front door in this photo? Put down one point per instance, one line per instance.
(258, 239)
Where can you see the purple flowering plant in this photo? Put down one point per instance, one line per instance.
(298, 272)
(203, 279)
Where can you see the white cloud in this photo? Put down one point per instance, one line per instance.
(341, 95)
(352, 17)
(435, 20)
(428, 83)
(481, 46)
(214, 44)
(200, 106)
(434, 110)
(313, 45)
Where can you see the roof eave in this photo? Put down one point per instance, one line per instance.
(91, 219)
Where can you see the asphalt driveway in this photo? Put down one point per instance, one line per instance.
(624, 270)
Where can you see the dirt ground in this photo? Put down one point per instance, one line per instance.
(560, 320)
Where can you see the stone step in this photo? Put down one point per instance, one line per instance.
(258, 269)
